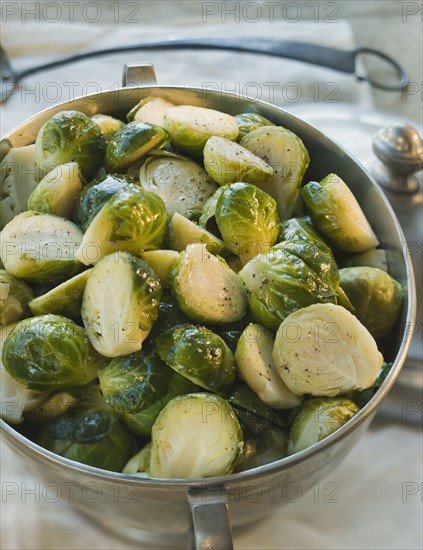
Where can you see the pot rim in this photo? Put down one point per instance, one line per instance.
(282, 464)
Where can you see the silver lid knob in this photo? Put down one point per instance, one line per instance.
(400, 150)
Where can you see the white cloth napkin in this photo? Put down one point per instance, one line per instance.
(374, 506)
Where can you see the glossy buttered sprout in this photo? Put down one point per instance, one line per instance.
(163, 312)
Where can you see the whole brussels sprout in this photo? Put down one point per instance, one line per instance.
(247, 122)
(70, 136)
(134, 383)
(190, 127)
(57, 191)
(207, 290)
(89, 432)
(19, 175)
(263, 448)
(203, 429)
(120, 304)
(375, 295)
(64, 299)
(317, 419)
(227, 162)
(50, 352)
(150, 109)
(200, 355)
(141, 422)
(255, 366)
(131, 143)
(289, 276)
(40, 247)
(108, 125)
(247, 219)
(14, 298)
(323, 350)
(15, 399)
(170, 314)
(96, 194)
(181, 183)
(133, 220)
(337, 215)
(285, 153)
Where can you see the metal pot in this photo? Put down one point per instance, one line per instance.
(169, 513)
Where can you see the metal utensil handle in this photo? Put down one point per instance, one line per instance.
(210, 519)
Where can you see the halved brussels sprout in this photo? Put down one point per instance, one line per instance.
(89, 432)
(375, 257)
(14, 298)
(19, 176)
(64, 299)
(200, 355)
(133, 220)
(227, 162)
(337, 215)
(161, 262)
(375, 295)
(141, 422)
(96, 194)
(131, 143)
(108, 125)
(150, 109)
(50, 408)
(323, 350)
(57, 191)
(247, 219)
(15, 398)
(255, 365)
(289, 276)
(206, 288)
(49, 353)
(301, 229)
(254, 415)
(183, 232)
(120, 304)
(70, 136)
(263, 448)
(317, 419)
(195, 436)
(247, 122)
(181, 183)
(285, 153)
(40, 247)
(190, 127)
(134, 383)
(139, 464)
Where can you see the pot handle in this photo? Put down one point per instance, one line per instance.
(210, 518)
(140, 74)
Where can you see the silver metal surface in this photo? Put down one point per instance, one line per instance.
(356, 128)
(139, 75)
(400, 151)
(156, 512)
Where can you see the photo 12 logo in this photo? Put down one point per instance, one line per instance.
(71, 11)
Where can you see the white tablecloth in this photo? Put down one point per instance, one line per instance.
(378, 500)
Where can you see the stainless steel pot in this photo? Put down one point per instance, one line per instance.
(173, 513)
